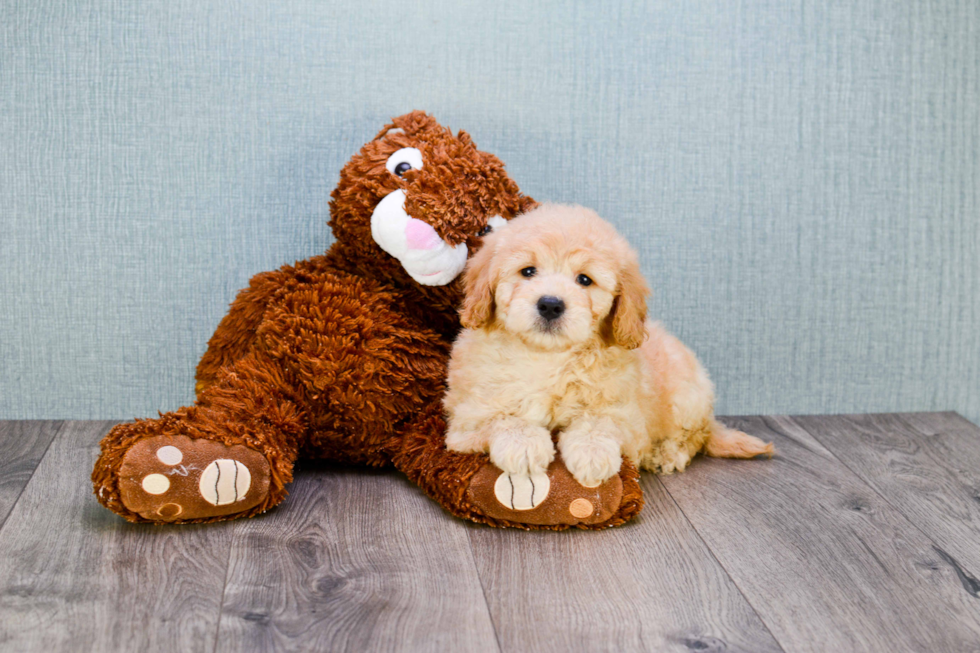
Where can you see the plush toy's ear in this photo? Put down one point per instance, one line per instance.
(526, 204)
(627, 318)
(478, 281)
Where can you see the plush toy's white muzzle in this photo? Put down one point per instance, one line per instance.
(426, 257)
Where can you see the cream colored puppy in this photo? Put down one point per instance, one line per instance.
(557, 341)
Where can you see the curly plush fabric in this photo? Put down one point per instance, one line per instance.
(342, 356)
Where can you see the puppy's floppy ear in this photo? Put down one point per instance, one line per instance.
(478, 282)
(627, 317)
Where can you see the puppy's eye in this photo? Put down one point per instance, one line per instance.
(483, 232)
(405, 159)
(583, 280)
(529, 272)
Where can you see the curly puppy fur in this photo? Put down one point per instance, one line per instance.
(557, 341)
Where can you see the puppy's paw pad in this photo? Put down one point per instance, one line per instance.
(521, 492)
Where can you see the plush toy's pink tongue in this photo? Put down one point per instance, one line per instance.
(419, 235)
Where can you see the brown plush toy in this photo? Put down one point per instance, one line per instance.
(343, 357)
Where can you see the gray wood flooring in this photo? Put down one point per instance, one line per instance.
(862, 534)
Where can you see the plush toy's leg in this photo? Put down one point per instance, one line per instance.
(471, 487)
(229, 455)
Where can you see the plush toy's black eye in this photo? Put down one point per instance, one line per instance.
(483, 232)
(402, 168)
(405, 159)
(583, 280)
(529, 272)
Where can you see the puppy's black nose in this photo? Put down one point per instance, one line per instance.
(550, 308)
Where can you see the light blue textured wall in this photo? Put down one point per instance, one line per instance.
(801, 178)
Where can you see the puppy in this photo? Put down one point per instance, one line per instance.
(557, 341)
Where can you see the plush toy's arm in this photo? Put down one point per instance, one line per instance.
(234, 336)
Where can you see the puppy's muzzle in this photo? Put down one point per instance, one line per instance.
(551, 308)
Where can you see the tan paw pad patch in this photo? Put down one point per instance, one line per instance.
(169, 455)
(520, 491)
(224, 481)
(155, 484)
(581, 508)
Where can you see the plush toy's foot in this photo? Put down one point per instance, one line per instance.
(177, 478)
(471, 487)
(554, 499)
(193, 465)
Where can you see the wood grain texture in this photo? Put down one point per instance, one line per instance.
(856, 537)
(827, 563)
(926, 466)
(74, 576)
(650, 585)
(354, 561)
(21, 446)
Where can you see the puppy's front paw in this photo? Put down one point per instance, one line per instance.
(521, 448)
(592, 458)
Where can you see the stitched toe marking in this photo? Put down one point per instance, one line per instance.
(170, 455)
(155, 484)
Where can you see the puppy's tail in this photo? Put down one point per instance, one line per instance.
(729, 443)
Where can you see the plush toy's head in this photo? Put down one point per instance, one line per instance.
(415, 201)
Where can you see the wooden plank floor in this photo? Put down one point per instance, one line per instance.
(863, 534)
